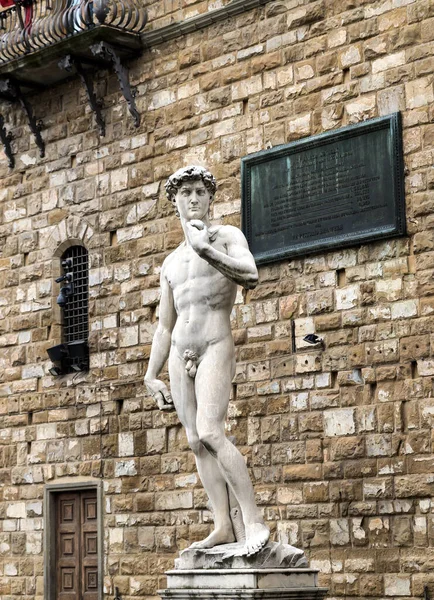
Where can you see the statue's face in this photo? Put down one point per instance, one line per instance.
(192, 200)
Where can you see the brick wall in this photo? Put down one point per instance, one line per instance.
(339, 441)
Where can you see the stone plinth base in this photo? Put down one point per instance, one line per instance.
(235, 584)
(277, 572)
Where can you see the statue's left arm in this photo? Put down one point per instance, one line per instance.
(237, 264)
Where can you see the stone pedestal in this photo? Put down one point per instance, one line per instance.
(233, 584)
(274, 573)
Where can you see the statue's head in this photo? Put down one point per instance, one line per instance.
(191, 173)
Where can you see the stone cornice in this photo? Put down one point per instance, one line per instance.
(175, 30)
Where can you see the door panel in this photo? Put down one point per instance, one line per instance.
(76, 546)
(67, 550)
(89, 545)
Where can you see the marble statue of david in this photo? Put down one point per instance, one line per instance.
(198, 288)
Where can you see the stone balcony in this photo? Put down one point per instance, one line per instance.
(36, 34)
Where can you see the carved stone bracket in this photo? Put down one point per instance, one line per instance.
(12, 91)
(5, 138)
(106, 51)
(70, 62)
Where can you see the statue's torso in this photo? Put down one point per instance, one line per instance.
(203, 299)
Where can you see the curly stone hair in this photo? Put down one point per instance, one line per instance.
(191, 173)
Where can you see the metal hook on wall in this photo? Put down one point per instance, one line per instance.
(68, 63)
(107, 51)
(6, 137)
(12, 91)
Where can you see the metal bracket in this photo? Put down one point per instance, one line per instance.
(68, 64)
(12, 90)
(104, 50)
(5, 138)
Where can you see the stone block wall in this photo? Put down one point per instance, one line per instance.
(165, 12)
(340, 439)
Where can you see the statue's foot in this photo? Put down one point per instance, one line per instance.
(223, 535)
(257, 535)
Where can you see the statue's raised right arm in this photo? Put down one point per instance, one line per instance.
(237, 263)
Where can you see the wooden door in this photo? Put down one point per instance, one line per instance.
(76, 546)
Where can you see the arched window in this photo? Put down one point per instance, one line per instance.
(72, 354)
(75, 312)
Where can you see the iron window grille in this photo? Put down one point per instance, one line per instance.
(75, 311)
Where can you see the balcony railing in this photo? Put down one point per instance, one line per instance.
(31, 25)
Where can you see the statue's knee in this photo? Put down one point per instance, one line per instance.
(211, 440)
(194, 442)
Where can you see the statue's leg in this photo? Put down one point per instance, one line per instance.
(236, 517)
(235, 510)
(183, 393)
(213, 384)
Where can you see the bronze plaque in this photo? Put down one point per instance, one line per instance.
(332, 190)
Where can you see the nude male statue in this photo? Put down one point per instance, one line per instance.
(198, 288)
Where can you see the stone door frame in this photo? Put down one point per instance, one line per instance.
(50, 490)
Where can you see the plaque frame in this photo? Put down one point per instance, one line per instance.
(395, 228)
